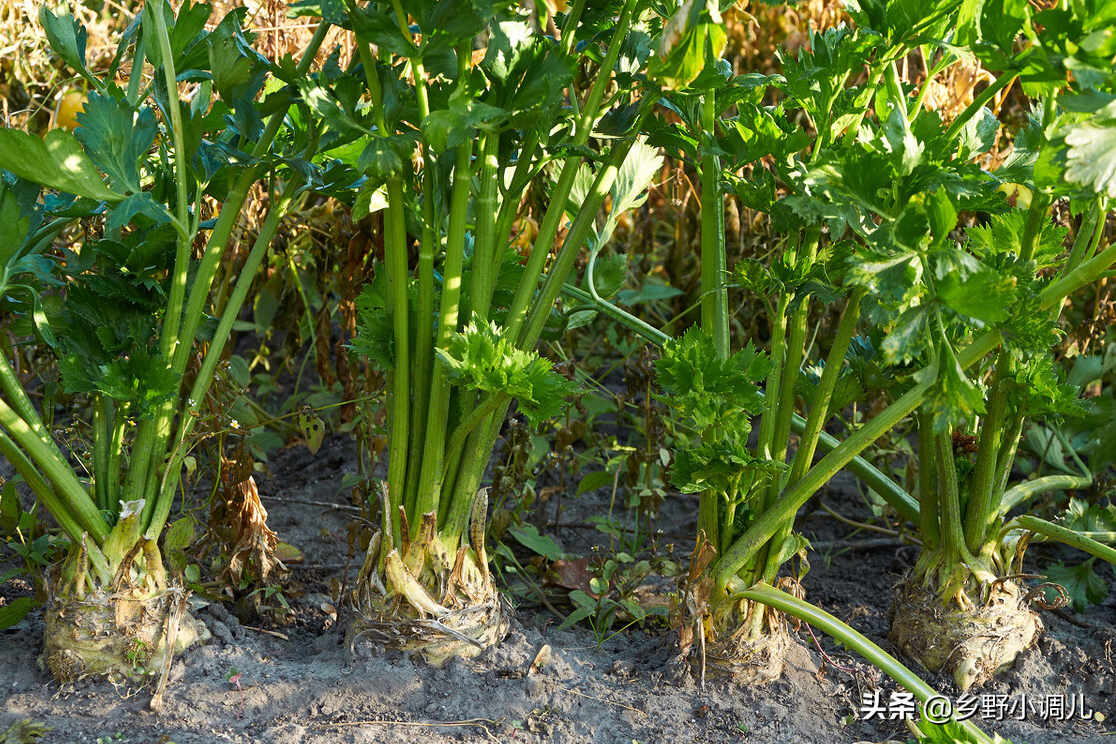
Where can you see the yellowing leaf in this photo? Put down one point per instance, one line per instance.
(312, 428)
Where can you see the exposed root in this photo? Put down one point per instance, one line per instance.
(119, 635)
(973, 644)
(419, 599)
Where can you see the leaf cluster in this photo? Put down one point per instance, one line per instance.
(481, 358)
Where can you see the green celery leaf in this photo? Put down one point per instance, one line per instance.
(954, 398)
(138, 203)
(639, 168)
(142, 379)
(901, 141)
(712, 392)
(978, 135)
(373, 24)
(56, 162)
(1024, 152)
(481, 359)
(753, 276)
(67, 38)
(1003, 235)
(1091, 159)
(985, 296)
(330, 10)
(723, 465)
(375, 337)
(1082, 583)
(527, 73)
(690, 364)
(184, 31)
(905, 342)
(449, 24)
(10, 614)
(458, 123)
(232, 69)
(1044, 393)
(694, 30)
(11, 509)
(382, 157)
(15, 227)
(115, 137)
(891, 275)
(323, 103)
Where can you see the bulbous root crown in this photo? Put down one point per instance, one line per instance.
(420, 598)
(972, 645)
(117, 635)
(735, 637)
(755, 661)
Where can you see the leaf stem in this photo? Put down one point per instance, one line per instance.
(433, 461)
(714, 300)
(1063, 535)
(794, 497)
(986, 95)
(928, 524)
(173, 317)
(68, 502)
(850, 638)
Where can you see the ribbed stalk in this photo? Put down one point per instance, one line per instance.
(979, 514)
(21, 404)
(423, 352)
(525, 292)
(395, 260)
(485, 268)
(714, 295)
(769, 522)
(480, 444)
(69, 502)
(153, 435)
(819, 412)
(1021, 492)
(1064, 535)
(928, 524)
(430, 482)
(102, 439)
(949, 504)
(823, 396)
(169, 335)
(156, 511)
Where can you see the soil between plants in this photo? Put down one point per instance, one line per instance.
(313, 686)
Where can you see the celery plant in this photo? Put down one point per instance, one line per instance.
(718, 394)
(125, 313)
(961, 590)
(896, 183)
(470, 105)
(939, 307)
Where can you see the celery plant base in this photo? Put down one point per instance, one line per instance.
(971, 644)
(427, 601)
(119, 635)
(722, 644)
(757, 661)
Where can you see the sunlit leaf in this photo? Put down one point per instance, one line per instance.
(56, 162)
